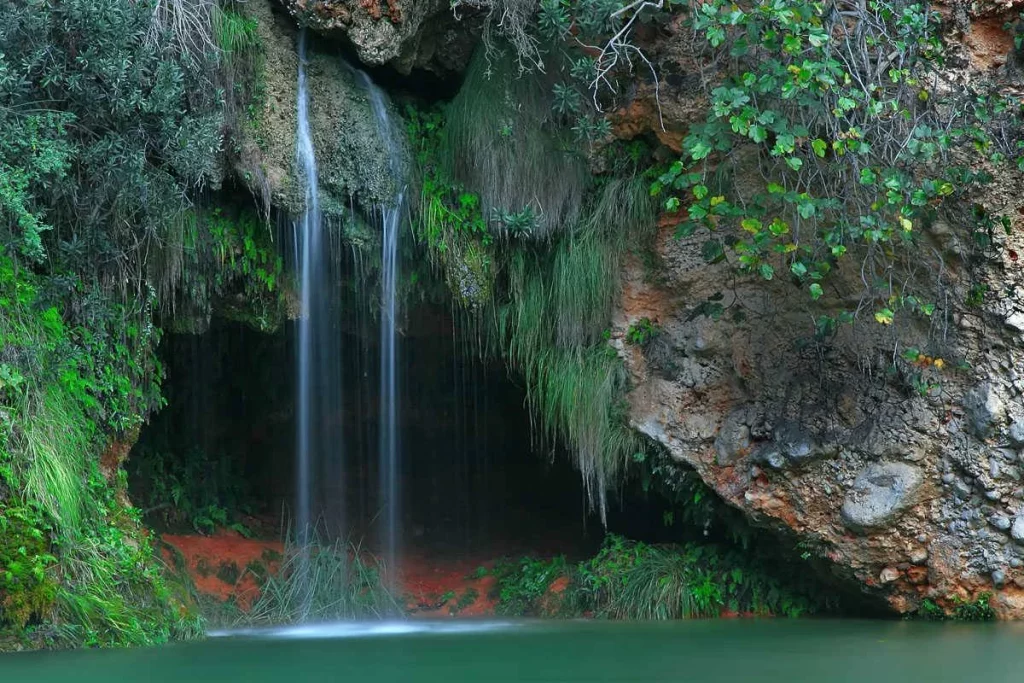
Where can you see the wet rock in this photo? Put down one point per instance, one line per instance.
(1016, 433)
(1017, 529)
(1015, 321)
(792, 445)
(733, 440)
(880, 492)
(889, 574)
(985, 409)
(961, 490)
(424, 34)
(1000, 522)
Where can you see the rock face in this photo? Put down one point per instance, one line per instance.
(346, 137)
(914, 491)
(405, 34)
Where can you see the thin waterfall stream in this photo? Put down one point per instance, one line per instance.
(320, 474)
(391, 216)
(320, 468)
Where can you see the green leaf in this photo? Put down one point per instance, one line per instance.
(767, 272)
(816, 291)
(795, 163)
(884, 316)
(798, 269)
(700, 150)
(819, 147)
(751, 225)
(713, 251)
(685, 229)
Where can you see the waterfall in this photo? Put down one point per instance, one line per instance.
(318, 405)
(390, 215)
(320, 496)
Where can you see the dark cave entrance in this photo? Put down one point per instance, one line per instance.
(474, 478)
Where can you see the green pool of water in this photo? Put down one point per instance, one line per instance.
(557, 652)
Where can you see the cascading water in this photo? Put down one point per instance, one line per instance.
(390, 215)
(319, 442)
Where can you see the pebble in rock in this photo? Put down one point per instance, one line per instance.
(1001, 522)
(961, 490)
(998, 577)
(918, 556)
(1017, 530)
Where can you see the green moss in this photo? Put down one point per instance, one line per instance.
(28, 590)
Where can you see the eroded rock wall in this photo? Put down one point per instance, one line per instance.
(348, 143)
(404, 34)
(914, 492)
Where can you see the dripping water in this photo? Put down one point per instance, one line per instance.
(319, 455)
(390, 212)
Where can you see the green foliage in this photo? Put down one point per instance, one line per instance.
(450, 221)
(27, 586)
(235, 33)
(521, 586)
(322, 582)
(126, 128)
(225, 260)
(102, 140)
(979, 609)
(189, 491)
(468, 597)
(642, 332)
(549, 304)
(859, 145)
(631, 580)
(501, 142)
(551, 329)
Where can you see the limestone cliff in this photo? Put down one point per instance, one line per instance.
(913, 490)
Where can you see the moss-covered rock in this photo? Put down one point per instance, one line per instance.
(345, 133)
(405, 34)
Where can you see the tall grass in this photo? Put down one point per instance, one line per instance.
(234, 33)
(500, 143)
(322, 581)
(632, 580)
(56, 448)
(551, 328)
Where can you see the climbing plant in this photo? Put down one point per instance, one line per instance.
(833, 142)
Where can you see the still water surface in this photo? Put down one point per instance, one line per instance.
(557, 652)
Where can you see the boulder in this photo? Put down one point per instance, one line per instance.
(984, 408)
(880, 492)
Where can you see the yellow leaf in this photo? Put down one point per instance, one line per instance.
(715, 201)
(939, 363)
(907, 225)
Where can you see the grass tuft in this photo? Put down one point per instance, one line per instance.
(322, 581)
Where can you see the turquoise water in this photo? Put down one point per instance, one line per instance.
(556, 652)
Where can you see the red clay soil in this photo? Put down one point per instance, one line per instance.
(212, 560)
(431, 586)
(435, 587)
